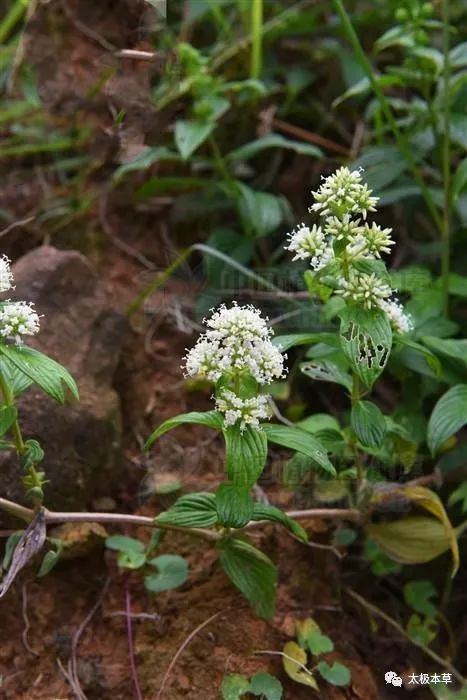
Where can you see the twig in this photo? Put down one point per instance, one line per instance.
(27, 514)
(311, 137)
(183, 647)
(16, 224)
(145, 521)
(27, 624)
(87, 31)
(395, 625)
(131, 650)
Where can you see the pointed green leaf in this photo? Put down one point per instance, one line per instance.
(245, 454)
(7, 418)
(252, 572)
(248, 150)
(193, 510)
(366, 340)
(234, 505)
(368, 423)
(212, 419)
(262, 511)
(300, 441)
(325, 371)
(448, 416)
(284, 342)
(190, 134)
(49, 375)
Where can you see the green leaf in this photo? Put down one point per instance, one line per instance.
(261, 212)
(252, 148)
(448, 416)
(418, 595)
(7, 418)
(310, 637)
(336, 673)
(50, 376)
(326, 371)
(212, 419)
(266, 686)
(192, 510)
(253, 574)
(234, 686)
(190, 134)
(121, 543)
(300, 441)
(319, 643)
(172, 572)
(366, 340)
(158, 185)
(131, 551)
(234, 505)
(422, 631)
(266, 512)
(459, 495)
(144, 160)
(245, 454)
(459, 181)
(49, 561)
(382, 165)
(284, 342)
(457, 283)
(430, 360)
(368, 423)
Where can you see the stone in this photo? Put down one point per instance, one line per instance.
(79, 329)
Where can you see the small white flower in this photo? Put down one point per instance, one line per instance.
(345, 229)
(237, 341)
(378, 239)
(243, 322)
(364, 289)
(6, 276)
(306, 242)
(18, 318)
(343, 193)
(318, 262)
(247, 411)
(400, 321)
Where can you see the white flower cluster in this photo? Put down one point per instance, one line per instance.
(238, 341)
(342, 193)
(6, 276)
(17, 318)
(236, 344)
(346, 238)
(247, 411)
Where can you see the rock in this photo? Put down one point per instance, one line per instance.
(79, 329)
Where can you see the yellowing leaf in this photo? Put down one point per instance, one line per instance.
(294, 662)
(412, 540)
(428, 500)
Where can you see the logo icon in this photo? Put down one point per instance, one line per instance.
(392, 678)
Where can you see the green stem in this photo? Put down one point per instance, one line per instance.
(401, 141)
(256, 38)
(10, 401)
(221, 166)
(12, 18)
(446, 160)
